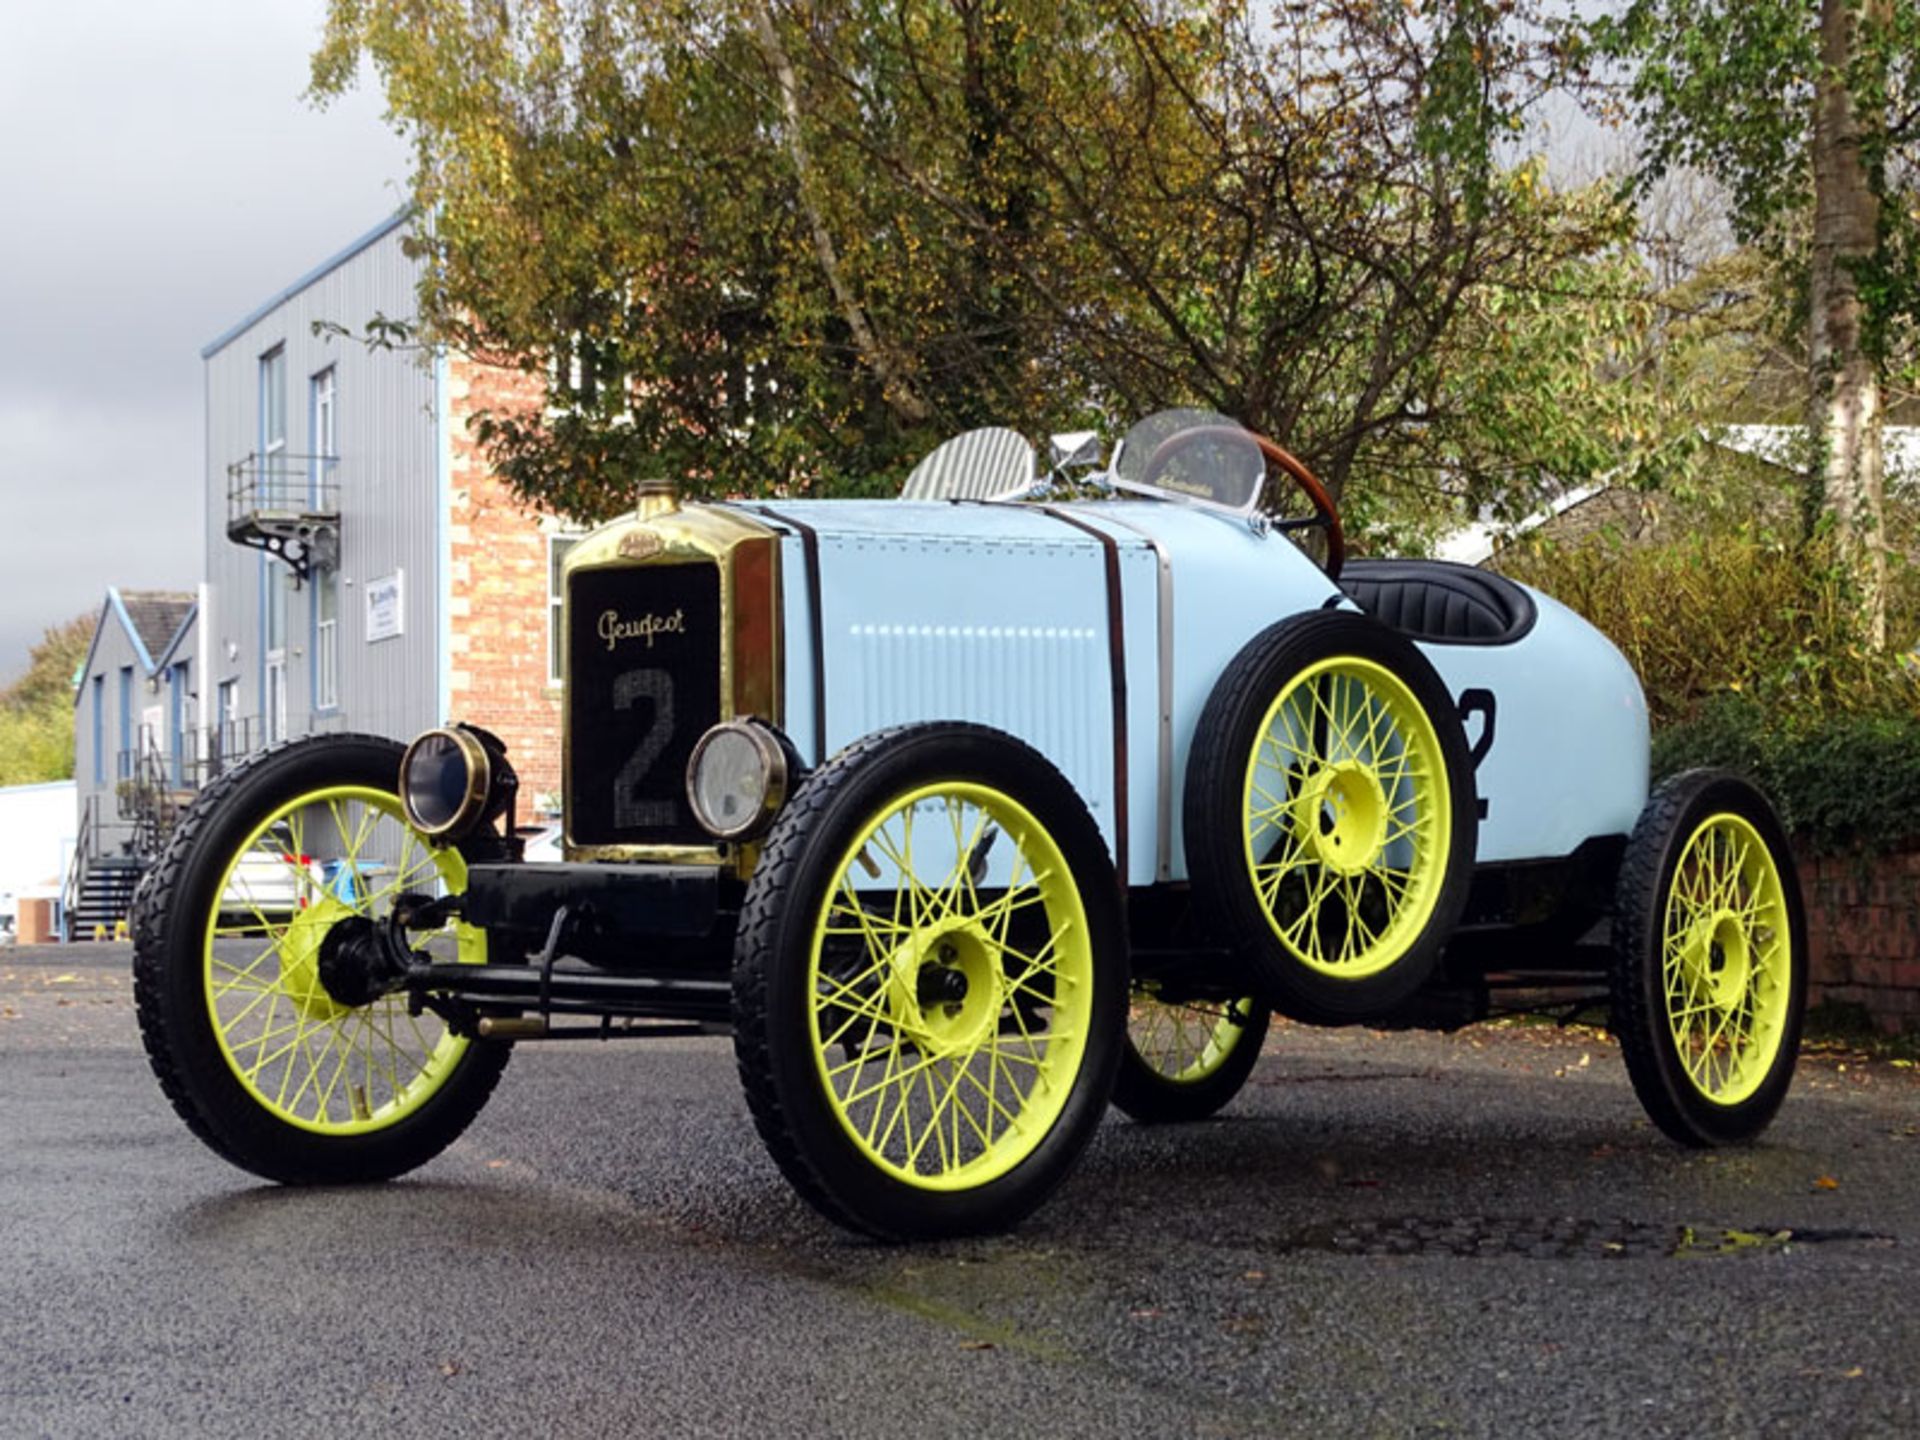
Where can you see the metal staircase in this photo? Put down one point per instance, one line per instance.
(98, 893)
(105, 898)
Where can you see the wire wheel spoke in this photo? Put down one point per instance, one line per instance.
(1183, 1041)
(327, 858)
(951, 985)
(1345, 815)
(1725, 964)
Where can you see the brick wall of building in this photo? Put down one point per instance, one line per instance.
(1863, 932)
(499, 613)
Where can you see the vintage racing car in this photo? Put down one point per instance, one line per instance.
(967, 813)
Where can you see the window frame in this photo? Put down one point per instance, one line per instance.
(559, 543)
(100, 728)
(323, 632)
(124, 762)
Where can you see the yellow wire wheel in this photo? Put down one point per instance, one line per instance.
(1709, 959)
(1330, 815)
(279, 861)
(1187, 1054)
(319, 859)
(926, 984)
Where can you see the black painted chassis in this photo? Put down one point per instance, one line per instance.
(592, 950)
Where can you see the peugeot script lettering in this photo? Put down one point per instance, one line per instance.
(613, 629)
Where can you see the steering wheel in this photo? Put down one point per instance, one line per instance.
(1326, 515)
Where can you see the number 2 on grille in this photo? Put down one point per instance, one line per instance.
(629, 810)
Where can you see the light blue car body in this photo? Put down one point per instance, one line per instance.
(999, 614)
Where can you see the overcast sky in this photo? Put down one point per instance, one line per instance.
(160, 175)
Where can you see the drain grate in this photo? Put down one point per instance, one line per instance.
(1559, 1238)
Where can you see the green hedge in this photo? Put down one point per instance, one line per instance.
(1747, 646)
(1842, 781)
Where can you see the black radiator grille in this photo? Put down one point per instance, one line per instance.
(643, 685)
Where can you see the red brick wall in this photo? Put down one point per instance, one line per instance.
(1863, 932)
(498, 599)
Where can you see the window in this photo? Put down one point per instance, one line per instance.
(273, 401)
(125, 771)
(99, 729)
(224, 741)
(179, 733)
(326, 640)
(557, 548)
(325, 431)
(582, 369)
(269, 481)
(273, 579)
(326, 581)
(273, 649)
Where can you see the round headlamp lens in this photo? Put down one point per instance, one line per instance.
(736, 779)
(443, 781)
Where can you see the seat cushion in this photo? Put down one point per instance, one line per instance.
(1436, 601)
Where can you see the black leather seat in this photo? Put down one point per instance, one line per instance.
(1437, 601)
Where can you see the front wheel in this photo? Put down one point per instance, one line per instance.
(929, 983)
(276, 861)
(1709, 962)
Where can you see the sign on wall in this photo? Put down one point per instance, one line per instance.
(386, 606)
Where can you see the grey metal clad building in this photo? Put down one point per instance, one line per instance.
(323, 599)
(364, 569)
(325, 513)
(134, 742)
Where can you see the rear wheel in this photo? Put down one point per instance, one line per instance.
(1709, 964)
(275, 863)
(929, 983)
(1185, 1059)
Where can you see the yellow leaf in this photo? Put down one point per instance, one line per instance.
(1826, 1182)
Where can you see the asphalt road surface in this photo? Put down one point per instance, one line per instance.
(1385, 1235)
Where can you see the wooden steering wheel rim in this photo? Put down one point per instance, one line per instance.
(1326, 515)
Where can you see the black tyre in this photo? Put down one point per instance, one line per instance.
(1185, 1059)
(1709, 959)
(930, 983)
(1330, 816)
(256, 1055)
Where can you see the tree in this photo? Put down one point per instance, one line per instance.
(778, 245)
(36, 709)
(1809, 111)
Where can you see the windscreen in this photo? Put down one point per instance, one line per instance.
(1193, 455)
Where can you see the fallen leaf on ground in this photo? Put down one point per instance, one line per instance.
(451, 1368)
(976, 1344)
(1147, 1313)
(1855, 1373)
(1825, 1182)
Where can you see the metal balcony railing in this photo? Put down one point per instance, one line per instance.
(288, 506)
